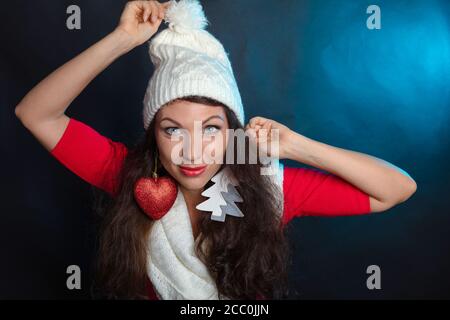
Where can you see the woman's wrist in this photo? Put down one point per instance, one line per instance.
(298, 147)
(122, 41)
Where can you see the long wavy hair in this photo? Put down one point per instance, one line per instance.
(247, 257)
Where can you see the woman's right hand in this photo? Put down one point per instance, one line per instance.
(42, 110)
(141, 19)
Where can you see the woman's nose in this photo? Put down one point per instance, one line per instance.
(193, 148)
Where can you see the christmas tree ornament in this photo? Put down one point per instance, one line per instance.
(222, 197)
(155, 195)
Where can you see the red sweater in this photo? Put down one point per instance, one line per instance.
(307, 192)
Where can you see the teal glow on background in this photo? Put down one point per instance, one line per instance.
(315, 66)
(400, 72)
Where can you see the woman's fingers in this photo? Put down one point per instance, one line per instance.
(260, 129)
(166, 4)
(258, 122)
(163, 7)
(140, 19)
(268, 127)
(152, 10)
(268, 134)
(159, 10)
(146, 13)
(145, 8)
(263, 132)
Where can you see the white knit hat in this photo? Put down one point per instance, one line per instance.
(188, 60)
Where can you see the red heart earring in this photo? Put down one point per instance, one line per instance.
(155, 195)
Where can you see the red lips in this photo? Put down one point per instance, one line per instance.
(192, 171)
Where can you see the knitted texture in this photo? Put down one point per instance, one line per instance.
(188, 60)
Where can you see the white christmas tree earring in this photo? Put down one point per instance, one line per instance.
(222, 196)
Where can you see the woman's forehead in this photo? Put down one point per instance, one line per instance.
(186, 111)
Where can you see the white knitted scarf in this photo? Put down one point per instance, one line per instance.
(172, 265)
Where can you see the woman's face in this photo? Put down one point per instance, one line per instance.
(194, 134)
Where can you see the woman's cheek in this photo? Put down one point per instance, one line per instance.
(165, 153)
(213, 150)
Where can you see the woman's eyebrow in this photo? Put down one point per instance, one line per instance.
(212, 117)
(169, 119)
(206, 120)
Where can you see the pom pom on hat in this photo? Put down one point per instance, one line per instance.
(188, 60)
(185, 15)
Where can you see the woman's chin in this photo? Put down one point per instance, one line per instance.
(192, 185)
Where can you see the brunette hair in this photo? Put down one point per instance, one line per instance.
(247, 257)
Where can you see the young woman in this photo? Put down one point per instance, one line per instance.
(183, 253)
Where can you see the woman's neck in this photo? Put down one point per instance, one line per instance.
(193, 198)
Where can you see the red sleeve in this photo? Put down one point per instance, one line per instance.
(90, 155)
(311, 192)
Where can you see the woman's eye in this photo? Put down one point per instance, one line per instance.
(172, 130)
(211, 129)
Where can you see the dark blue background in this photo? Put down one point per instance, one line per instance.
(312, 65)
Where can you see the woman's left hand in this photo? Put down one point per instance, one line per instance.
(262, 131)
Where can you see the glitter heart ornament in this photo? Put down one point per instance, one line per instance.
(155, 195)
